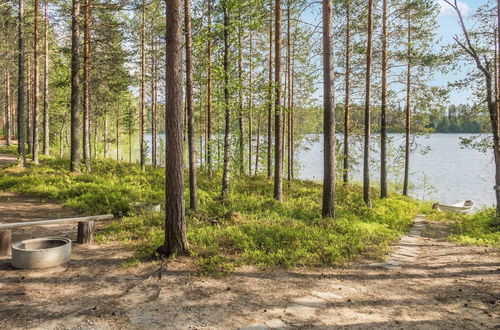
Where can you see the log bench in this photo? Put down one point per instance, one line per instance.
(86, 229)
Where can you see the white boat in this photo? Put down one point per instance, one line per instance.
(462, 207)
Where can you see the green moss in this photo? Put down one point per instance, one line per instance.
(251, 229)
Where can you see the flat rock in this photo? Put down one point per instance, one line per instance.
(255, 326)
(277, 324)
(305, 307)
(326, 295)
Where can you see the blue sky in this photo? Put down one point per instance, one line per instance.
(448, 26)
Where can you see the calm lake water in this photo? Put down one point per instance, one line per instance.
(440, 169)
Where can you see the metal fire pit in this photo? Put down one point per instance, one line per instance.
(41, 252)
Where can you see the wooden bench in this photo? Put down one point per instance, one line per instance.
(86, 229)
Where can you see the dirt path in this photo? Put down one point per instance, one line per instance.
(7, 160)
(438, 286)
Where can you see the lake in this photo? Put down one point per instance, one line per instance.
(440, 169)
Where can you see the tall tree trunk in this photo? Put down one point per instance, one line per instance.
(257, 146)
(86, 84)
(383, 108)
(75, 88)
(193, 199)
(366, 158)
(241, 157)
(209, 90)
(407, 112)
(46, 118)
(175, 221)
(288, 91)
(347, 91)
(250, 106)
(292, 119)
(117, 138)
(36, 87)
(105, 134)
(154, 103)
(227, 136)
(278, 147)
(29, 109)
(328, 115)
(270, 95)
(143, 81)
(7, 108)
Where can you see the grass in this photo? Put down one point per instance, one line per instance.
(479, 229)
(252, 229)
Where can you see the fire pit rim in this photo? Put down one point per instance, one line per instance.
(65, 241)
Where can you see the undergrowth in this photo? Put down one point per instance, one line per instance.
(252, 228)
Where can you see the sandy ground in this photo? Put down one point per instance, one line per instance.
(445, 286)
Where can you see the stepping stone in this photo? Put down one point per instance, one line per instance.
(326, 295)
(255, 326)
(305, 307)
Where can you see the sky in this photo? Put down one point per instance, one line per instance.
(448, 27)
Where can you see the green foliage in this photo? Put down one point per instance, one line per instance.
(251, 229)
(480, 229)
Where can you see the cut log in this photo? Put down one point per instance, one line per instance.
(85, 232)
(5, 239)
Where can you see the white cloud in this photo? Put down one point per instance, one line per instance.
(446, 9)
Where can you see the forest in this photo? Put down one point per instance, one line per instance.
(203, 106)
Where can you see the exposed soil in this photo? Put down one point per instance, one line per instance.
(445, 287)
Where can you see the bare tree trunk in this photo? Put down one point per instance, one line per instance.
(250, 106)
(117, 138)
(105, 133)
(241, 157)
(288, 91)
(175, 221)
(36, 87)
(383, 115)
(7, 108)
(366, 158)
(347, 91)
(154, 104)
(209, 90)
(29, 112)
(278, 148)
(227, 136)
(143, 69)
(407, 113)
(270, 95)
(75, 88)
(86, 84)
(328, 210)
(193, 199)
(292, 120)
(46, 127)
(257, 146)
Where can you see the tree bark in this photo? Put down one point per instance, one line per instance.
(29, 112)
(36, 86)
(383, 107)
(250, 106)
(270, 96)
(278, 147)
(86, 85)
(227, 136)
(46, 117)
(175, 221)
(154, 103)
(7, 108)
(105, 133)
(75, 88)
(241, 147)
(86, 231)
(143, 81)
(328, 209)
(407, 112)
(209, 90)
(366, 158)
(193, 199)
(289, 92)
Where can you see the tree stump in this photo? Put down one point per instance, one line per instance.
(5, 239)
(85, 232)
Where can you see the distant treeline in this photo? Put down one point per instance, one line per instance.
(456, 119)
